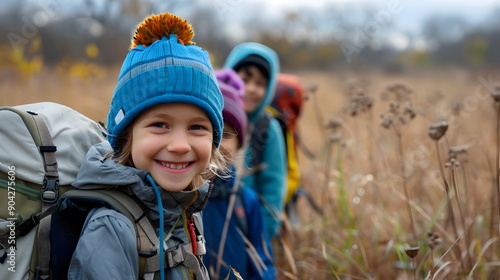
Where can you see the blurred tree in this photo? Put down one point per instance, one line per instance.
(444, 34)
(475, 50)
(440, 29)
(303, 37)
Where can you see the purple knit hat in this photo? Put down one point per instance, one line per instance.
(233, 89)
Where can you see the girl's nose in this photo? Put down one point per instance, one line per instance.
(249, 88)
(178, 143)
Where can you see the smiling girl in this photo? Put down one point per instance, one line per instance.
(165, 127)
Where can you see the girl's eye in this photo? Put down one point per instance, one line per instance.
(228, 135)
(197, 127)
(159, 125)
(261, 83)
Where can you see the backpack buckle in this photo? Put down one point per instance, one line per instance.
(42, 273)
(50, 189)
(27, 225)
(200, 240)
(175, 256)
(146, 255)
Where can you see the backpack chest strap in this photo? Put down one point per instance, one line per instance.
(181, 254)
(175, 256)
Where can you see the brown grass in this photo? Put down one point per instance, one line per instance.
(367, 170)
(88, 94)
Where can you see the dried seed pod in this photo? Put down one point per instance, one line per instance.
(496, 94)
(335, 137)
(457, 150)
(333, 124)
(456, 108)
(410, 111)
(354, 110)
(438, 129)
(393, 107)
(360, 101)
(312, 88)
(387, 120)
(412, 252)
(433, 240)
(369, 102)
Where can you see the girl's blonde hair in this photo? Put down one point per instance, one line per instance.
(216, 167)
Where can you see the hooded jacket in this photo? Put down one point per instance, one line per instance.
(107, 248)
(269, 178)
(237, 253)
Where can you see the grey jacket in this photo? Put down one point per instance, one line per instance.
(107, 248)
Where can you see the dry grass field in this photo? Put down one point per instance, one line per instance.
(383, 194)
(395, 203)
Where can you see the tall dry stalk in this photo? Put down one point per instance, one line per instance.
(458, 155)
(400, 113)
(333, 126)
(458, 159)
(362, 104)
(312, 89)
(405, 184)
(436, 131)
(495, 223)
(453, 165)
(497, 161)
(229, 213)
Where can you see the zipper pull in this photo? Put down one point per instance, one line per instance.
(192, 235)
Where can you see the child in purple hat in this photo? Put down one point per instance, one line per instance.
(233, 214)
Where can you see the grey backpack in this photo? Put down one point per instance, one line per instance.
(42, 146)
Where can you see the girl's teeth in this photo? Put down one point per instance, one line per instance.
(174, 166)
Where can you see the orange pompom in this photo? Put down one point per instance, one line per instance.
(155, 27)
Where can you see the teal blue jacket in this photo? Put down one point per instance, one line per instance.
(269, 178)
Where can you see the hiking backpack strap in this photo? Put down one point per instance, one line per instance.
(49, 196)
(147, 240)
(258, 139)
(275, 114)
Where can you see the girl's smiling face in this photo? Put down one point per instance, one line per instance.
(255, 87)
(173, 142)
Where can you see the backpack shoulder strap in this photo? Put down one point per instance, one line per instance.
(147, 240)
(279, 117)
(259, 137)
(49, 194)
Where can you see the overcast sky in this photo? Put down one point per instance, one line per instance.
(410, 16)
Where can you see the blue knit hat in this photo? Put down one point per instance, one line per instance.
(164, 66)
